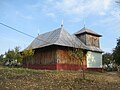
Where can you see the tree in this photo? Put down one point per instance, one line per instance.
(18, 55)
(27, 55)
(116, 52)
(13, 57)
(10, 55)
(107, 58)
(1, 57)
(78, 54)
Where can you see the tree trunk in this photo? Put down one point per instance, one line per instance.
(83, 72)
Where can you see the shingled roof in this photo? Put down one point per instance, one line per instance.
(59, 37)
(88, 31)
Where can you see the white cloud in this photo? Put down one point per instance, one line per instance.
(106, 4)
(77, 9)
(82, 7)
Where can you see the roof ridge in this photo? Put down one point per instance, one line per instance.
(69, 37)
(86, 30)
(59, 29)
(60, 35)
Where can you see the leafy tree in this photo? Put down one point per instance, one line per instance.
(107, 58)
(1, 57)
(13, 56)
(27, 55)
(116, 52)
(18, 55)
(10, 55)
(78, 54)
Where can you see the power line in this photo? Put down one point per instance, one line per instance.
(22, 32)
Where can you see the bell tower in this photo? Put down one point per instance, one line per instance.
(88, 37)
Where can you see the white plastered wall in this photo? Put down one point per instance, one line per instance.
(94, 60)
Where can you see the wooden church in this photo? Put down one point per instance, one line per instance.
(51, 50)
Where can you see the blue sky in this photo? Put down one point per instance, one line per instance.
(33, 16)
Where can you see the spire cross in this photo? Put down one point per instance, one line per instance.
(84, 23)
(62, 24)
(38, 31)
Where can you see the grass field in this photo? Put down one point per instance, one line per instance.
(27, 79)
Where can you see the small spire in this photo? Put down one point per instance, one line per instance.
(38, 31)
(62, 24)
(84, 23)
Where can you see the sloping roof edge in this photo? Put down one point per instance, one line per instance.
(60, 37)
(85, 30)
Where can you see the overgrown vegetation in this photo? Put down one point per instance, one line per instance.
(78, 54)
(108, 62)
(15, 58)
(116, 52)
(27, 55)
(112, 60)
(28, 79)
(107, 58)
